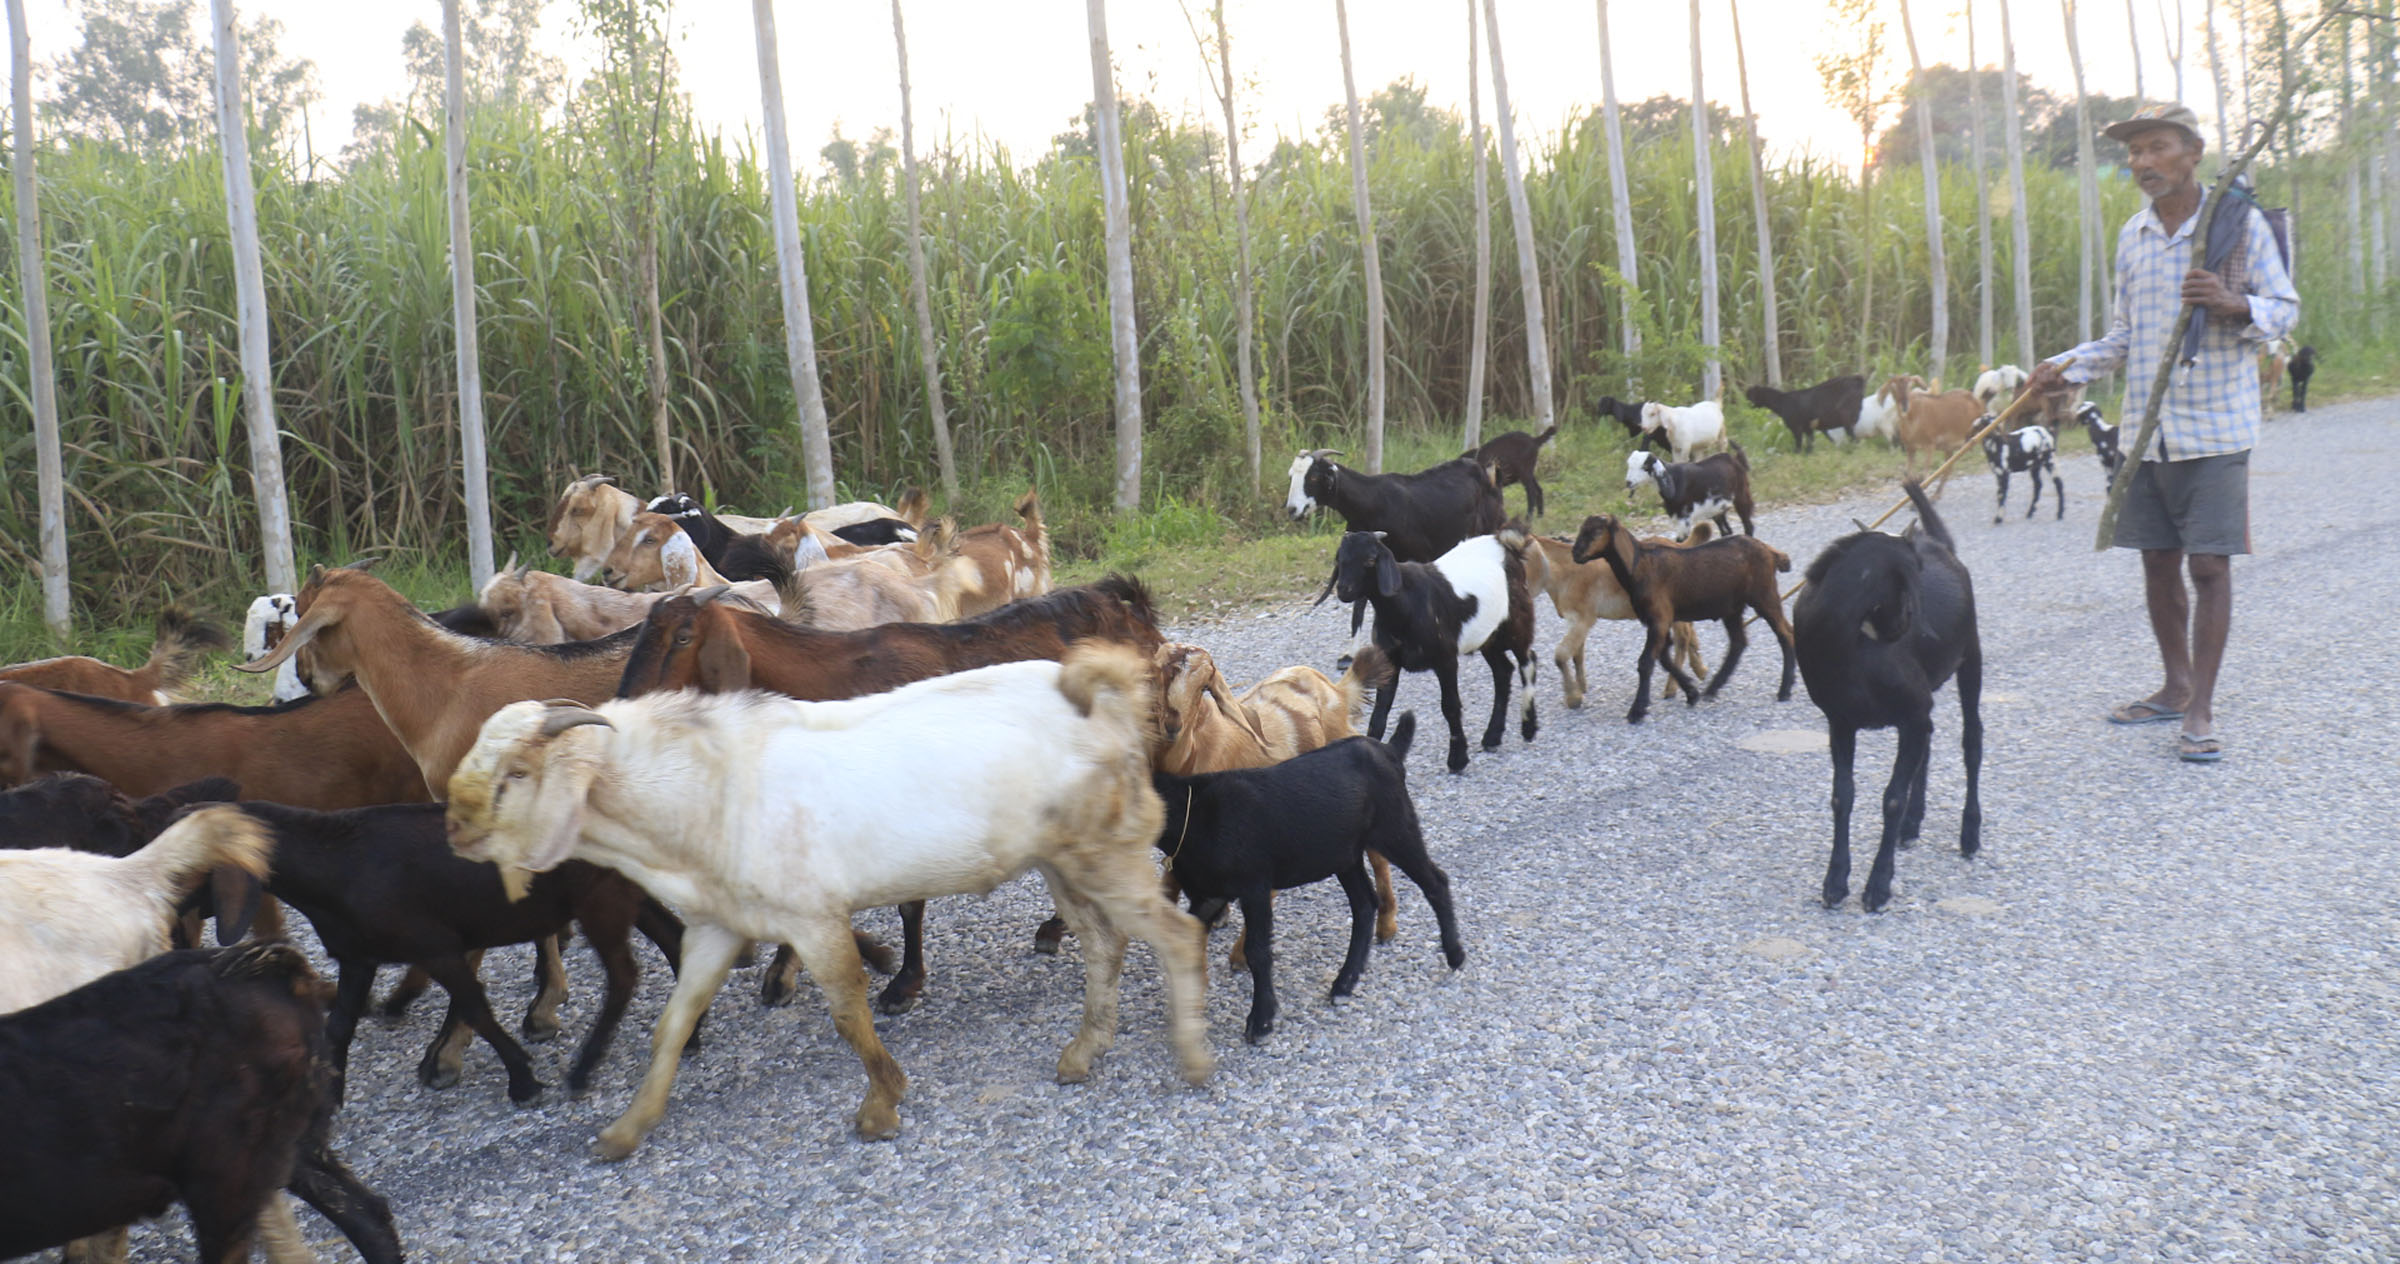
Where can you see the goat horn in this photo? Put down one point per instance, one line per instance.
(711, 593)
(572, 715)
(364, 563)
(511, 564)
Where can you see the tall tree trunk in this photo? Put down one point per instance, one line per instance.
(2087, 186)
(791, 266)
(646, 276)
(2133, 41)
(1628, 260)
(1705, 180)
(1937, 258)
(1367, 248)
(1520, 213)
(462, 303)
(2241, 30)
(1478, 339)
(2347, 144)
(1109, 144)
(2172, 36)
(1241, 231)
(929, 352)
(1771, 328)
(1983, 200)
(2020, 232)
(250, 307)
(33, 280)
(2216, 75)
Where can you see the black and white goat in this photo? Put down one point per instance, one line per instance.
(2103, 437)
(1419, 516)
(1706, 488)
(1882, 622)
(1511, 458)
(2301, 367)
(1470, 599)
(2027, 450)
(713, 535)
(1245, 834)
(1628, 413)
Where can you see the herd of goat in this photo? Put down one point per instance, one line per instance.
(719, 750)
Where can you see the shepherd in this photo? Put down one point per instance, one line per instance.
(2189, 503)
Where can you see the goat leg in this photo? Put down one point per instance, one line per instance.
(1736, 640)
(1496, 728)
(405, 993)
(907, 987)
(2000, 506)
(550, 973)
(2059, 486)
(1843, 741)
(1445, 670)
(1258, 926)
(782, 978)
(1046, 937)
(1912, 822)
(1916, 741)
(1653, 647)
(832, 959)
(708, 953)
(1387, 907)
(351, 993)
(1383, 708)
(610, 942)
(1970, 705)
(322, 1181)
(469, 1004)
(1361, 892)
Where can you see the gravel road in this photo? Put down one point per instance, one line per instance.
(2154, 1020)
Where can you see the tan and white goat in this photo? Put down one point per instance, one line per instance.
(1583, 593)
(539, 608)
(758, 817)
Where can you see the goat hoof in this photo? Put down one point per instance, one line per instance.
(612, 1146)
(1458, 756)
(1047, 938)
(396, 1005)
(877, 955)
(1455, 954)
(526, 1094)
(539, 1030)
(773, 992)
(1833, 896)
(1259, 1030)
(1873, 902)
(437, 1076)
(878, 1123)
(895, 1002)
(1342, 664)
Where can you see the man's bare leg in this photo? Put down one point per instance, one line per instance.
(2212, 620)
(2170, 621)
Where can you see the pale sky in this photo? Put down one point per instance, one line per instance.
(1017, 71)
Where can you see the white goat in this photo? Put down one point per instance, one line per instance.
(263, 628)
(1992, 384)
(1691, 426)
(1880, 413)
(762, 818)
(540, 608)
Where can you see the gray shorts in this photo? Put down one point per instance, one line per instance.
(2196, 506)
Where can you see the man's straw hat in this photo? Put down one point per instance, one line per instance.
(2178, 116)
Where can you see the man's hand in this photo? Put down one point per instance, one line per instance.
(2047, 378)
(2204, 289)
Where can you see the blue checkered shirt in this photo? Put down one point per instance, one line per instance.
(2211, 407)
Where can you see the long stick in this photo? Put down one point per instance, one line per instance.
(2183, 319)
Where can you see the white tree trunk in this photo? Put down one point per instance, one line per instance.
(2352, 174)
(1705, 194)
(1367, 248)
(1109, 144)
(2020, 233)
(1983, 200)
(1243, 302)
(2087, 188)
(2133, 41)
(250, 307)
(31, 277)
(1479, 339)
(929, 352)
(1620, 198)
(2216, 75)
(1769, 326)
(462, 304)
(1537, 342)
(2172, 36)
(1937, 257)
(799, 329)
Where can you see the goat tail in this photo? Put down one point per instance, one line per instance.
(1404, 731)
(201, 840)
(1029, 509)
(1740, 457)
(1111, 682)
(1546, 436)
(270, 960)
(1133, 592)
(1370, 668)
(1931, 521)
(914, 507)
(182, 639)
(1783, 560)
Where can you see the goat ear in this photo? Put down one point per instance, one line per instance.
(236, 896)
(319, 617)
(1329, 582)
(724, 665)
(1387, 573)
(680, 559)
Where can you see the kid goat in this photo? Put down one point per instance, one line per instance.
(1723, 580)
(1883, 622)
(1472, 598)
(2026, 450)
(1699, 489)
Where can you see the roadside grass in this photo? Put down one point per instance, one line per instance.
(1200, 561)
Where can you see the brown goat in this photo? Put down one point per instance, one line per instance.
(1585, 592)
(538, 608)
(1010, 562)
(698, 641)
(1938, 423)
(588, 519)
(175, 650)
(1721, 580)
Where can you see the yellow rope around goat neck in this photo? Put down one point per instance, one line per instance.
(1974, 440)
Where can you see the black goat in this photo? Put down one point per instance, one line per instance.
(1883, 622)
(1628, 413)
(2025, 450)
(1706, 488)
(1246, 834)
(2301, 368)
(197, 1077)
(382, 886)
(1428, 613)
(2103, 437)
(1829, 405)
(1421, 515)
(1511, 459)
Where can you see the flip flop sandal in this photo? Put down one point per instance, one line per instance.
(2199, 750)
(2143, 712)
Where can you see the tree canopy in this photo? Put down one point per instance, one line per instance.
(144, 76)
